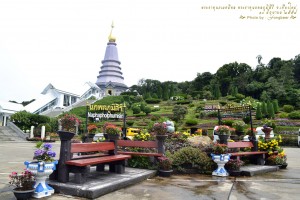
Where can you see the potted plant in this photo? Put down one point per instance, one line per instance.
(160, 131)
(239, 127)
(42, 168)
(111, 131)
(277, 159)
(164, 166)
(223, 132)
(23, 184)
(69, 122)
(219, 155)
(233, 166)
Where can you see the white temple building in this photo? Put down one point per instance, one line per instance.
(54, 100)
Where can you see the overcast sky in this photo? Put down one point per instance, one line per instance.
(63, 41)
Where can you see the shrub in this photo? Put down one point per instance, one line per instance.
(283, 115)
(234, 164)
(136, 110)
(152, 101)
(247, 119)
(223, 103)
(227, 122)
(129, 123)
(181, 102)
(192, 157)
(212, 114)
(191, 122)
(294, 115)
(288, 108)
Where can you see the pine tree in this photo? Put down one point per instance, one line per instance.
(258, 112)
(264, 109)
(270, 110)
(275, 106)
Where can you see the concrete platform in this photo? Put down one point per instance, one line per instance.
(251, 170)
(101, 183)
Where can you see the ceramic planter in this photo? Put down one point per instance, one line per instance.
(221, 160)
(165, 173)
(23, 194)
(41, 171)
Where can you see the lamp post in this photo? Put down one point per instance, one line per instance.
(124, 121)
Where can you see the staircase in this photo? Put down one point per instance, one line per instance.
(9, 135)
(56, 112)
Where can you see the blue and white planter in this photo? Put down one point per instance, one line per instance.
(221, 160)
(41, 172)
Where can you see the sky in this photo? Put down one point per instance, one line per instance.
(63, 42)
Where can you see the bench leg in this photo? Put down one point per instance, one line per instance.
(260, 160)
(81, 173)
(117, 167)
(100, 168)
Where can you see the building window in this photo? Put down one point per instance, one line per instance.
(73, 100)
(66, 100)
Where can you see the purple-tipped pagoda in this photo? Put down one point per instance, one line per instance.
(110, 78)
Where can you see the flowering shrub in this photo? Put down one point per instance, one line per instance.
(44, 153)
(24, 181)
(69, 121)
(223, 130)
(278, 159)
(271, 146)
(112, 129)
(92, 128)
(160, 128)
(164, 163)
(234, 164)
(143, 136)
(219, 148)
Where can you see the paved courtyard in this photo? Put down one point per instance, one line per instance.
(283, 184)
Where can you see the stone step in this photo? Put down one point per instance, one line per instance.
(251, 170)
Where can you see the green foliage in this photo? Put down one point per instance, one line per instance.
(24, 120)
(275, 106)
(179, 112)
(129, 123)
(191, 122)
(247, 119)
(227, 122)
(223, 103)
(152, 101)
(191, 156)
(136, 109)
(48, 127)
(142, 162)
(294, 115)
(147, 110)
(288, 108)
(258, 114)
(283, 115)
(181, 102)
(270, 109)
(264, 109)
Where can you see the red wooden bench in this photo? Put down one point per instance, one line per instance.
(81, 165)
(237, 145)
(147, 146)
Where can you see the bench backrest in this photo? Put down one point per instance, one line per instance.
(143, 144)
(239, 144)
(92, 147)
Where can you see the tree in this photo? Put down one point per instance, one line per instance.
(275, 106)
(179, 112)
(147, 110)
(270, 110)
(264, 109)
(258, 112)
